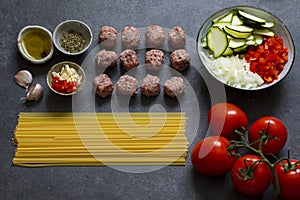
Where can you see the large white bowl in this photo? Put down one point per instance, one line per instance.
(279, 29)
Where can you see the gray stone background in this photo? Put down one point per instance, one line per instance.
(281, 101)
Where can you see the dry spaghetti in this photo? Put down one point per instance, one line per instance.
(97, 139)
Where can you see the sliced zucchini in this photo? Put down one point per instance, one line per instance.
(268, 25)
(250, 42)
(217, 41)
(238, 31)
(252, 24)
(234, 31)
(236, 43)
(228, 52)
(236, 21)
(221, 25)
(227, 18)
(251, 18)
(265, 32)
(240, 49)
(258, 39)
(203, 42)
(251, 37)
(229, 37)
(242, 29)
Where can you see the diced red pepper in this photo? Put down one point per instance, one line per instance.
(268, 59)
(63, 86)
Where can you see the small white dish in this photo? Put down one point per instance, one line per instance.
(75, 26)
(57, 68)
(35, 44)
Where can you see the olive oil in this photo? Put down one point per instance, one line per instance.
(37, 44)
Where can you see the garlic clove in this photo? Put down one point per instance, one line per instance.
(23, 78)
(35, 92)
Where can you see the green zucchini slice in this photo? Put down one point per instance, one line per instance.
(251, 18)
(217, 41)
(238, 31)
(265, 32)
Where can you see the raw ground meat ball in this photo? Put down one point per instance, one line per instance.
(154, 59)
(176, 37)
(104, 86)
(106, 58)
(127, 85)
(180, 59)
(129, 59)
(130, 37)
(174, 86)
(150, 85)
(107, 36)
(155, 36)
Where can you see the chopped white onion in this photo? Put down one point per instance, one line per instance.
(235, 71)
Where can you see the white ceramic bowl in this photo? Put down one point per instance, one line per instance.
(279, 29)
(76, 26)
(35, 43)
(57, 68)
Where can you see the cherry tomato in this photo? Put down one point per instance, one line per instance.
(250, 176)
(210, 156)
(289, 179)
(273, 131)
(225, 118)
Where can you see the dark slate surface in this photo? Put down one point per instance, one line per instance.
(281, 101)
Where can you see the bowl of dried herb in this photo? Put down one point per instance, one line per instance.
(72, 37)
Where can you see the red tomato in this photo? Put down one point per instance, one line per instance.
(273, 130)
(249, 176)
(225, 118)
(210, 156)
(289, 179)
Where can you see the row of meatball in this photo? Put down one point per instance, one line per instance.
(128, 85)
(154, 36)
(154, 58)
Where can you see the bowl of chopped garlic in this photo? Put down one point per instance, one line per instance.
(72, 37)
(66, 78)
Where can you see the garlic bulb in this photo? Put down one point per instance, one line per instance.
(23, 78)
(35, 92)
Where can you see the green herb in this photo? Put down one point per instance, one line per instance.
(72, 41)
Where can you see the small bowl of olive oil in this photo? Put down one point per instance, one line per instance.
(35, 44)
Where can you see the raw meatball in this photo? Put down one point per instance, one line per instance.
(154, 59)
(180, 59)
(155, 36)
(130, 37)
(176, 37)
(174, 86)
(107, 36)
(127, 85)
(150, 85)
(104, 86)
(106, 58)
(129, 59)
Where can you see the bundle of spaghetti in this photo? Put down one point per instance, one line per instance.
(97, 139)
